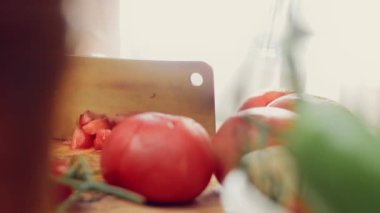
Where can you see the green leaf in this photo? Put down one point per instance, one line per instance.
(338, 158)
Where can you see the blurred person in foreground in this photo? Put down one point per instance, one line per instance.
(31, 57)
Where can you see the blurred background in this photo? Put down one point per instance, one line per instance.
(241, 40)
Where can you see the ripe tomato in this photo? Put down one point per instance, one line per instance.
(262, 100)
(166, 158)
(239, 133)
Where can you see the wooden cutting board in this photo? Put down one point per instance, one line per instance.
(114, 86)
(207, 202)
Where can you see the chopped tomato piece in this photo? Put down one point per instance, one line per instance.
(101, 137)
(93, 126)
(81, 140)
(88, 116)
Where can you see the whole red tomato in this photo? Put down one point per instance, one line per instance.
(262, 100)
(240, 133)
(166, 158)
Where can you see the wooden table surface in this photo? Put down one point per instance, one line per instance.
(208, 201)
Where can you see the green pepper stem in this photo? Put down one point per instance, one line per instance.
(102, 187)
(116, 191)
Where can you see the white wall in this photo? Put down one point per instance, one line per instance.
(341, 58)
(341, 61)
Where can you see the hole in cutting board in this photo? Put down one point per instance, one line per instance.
(196, 79)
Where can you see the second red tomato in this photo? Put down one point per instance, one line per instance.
(241, 133)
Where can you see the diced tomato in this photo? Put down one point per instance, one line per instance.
(95, 125)
(101, 136)
(86, 117)
(81, 140)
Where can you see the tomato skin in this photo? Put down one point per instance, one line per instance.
(262, 100)
(237, 135)
(289, 101)
(289, 104)
(165, 158)
(60, 191)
